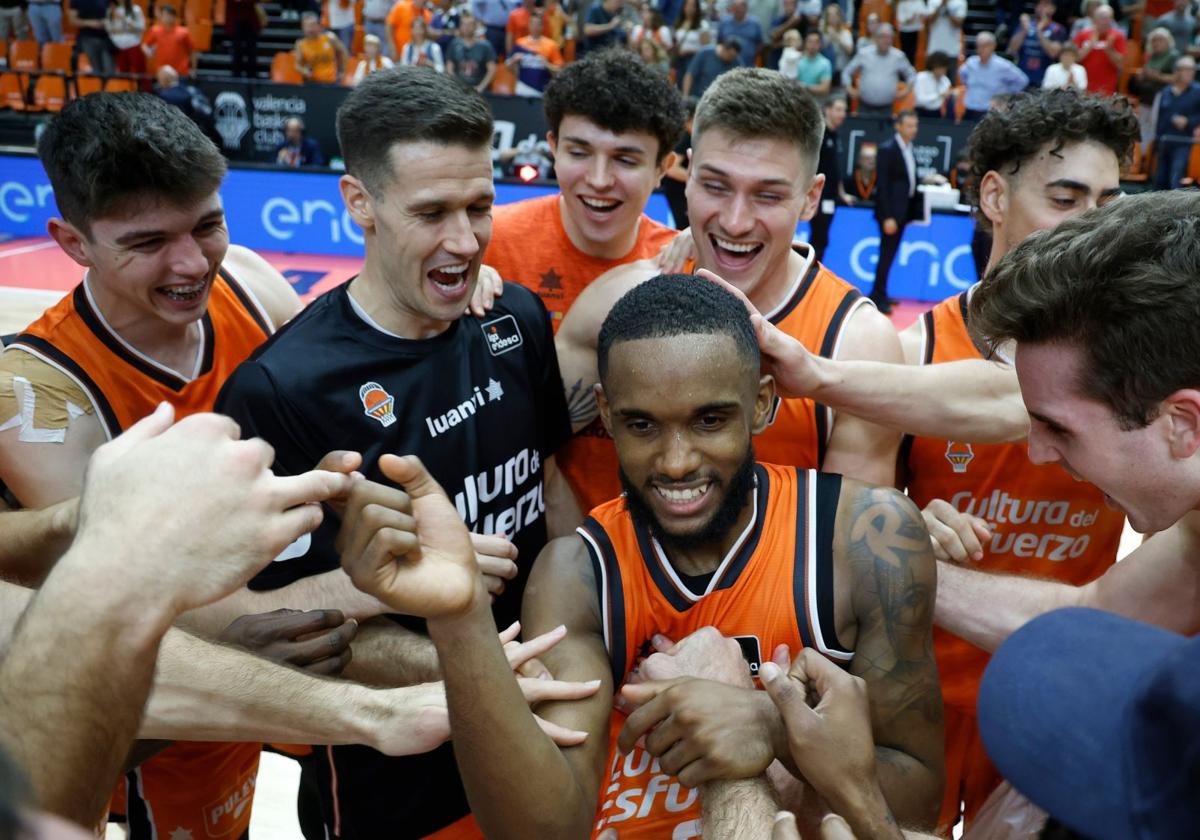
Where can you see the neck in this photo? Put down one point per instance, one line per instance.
(374, 293)
(171, 345)
(612, 250)
(705, 559)
(773, 287)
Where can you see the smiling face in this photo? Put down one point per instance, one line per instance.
(606, 179)
(427, 228)
(681, 411)
(745, 197)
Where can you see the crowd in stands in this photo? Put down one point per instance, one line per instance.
(887, 55)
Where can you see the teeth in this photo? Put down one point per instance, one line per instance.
(599, 204)
(453, 269)
(682, 495)
(183, 292)
(736, 247)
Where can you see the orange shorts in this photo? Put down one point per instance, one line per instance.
(970, 776)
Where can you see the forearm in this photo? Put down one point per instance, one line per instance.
(974, 401)
(331, 590)
(562, 509)
(512, 763)
(742, 809)
(908, 789)
(984, 608)
(388, 655)
(32, 540)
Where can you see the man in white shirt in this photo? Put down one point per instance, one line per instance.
(945, 30)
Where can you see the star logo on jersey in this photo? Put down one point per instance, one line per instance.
(552, 280)
(377, 403)
(502, 334)
(495, 391)
(960, 455)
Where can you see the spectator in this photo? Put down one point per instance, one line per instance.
(1179, 22)
(810, 12)
(1068, 72)
(518, 24)
(986, 74)
(880, 68)
(945, 31)
(766, 12)
(865, 42)
(910, 22)
(860, 184)
(1177, 111)
(443, 28)
(298, 149)
(91, 38)
(400, 20)
(603, 25)
(373, 58)
(897, 201)
(654, 56)
(708, 64)
(12, 20)
(839, 40)
(535, 58)
(187, 98)
(651, 27)
(169, 43)
(675, 182)
(814, 71)
(1036, 42)
(340, 14)
(45, 17)
(932, 88)
(420, 51)
(471, 59)
(1156, 72)
(745, 29)
(1102, 52)
(692, 33)
(1087, 10)
(374, 22)
(126, 25)
(319, 56)
(554, 22)
(244, 20)
(493, 14)
(789, 18)
(828, 164)
(789, 56)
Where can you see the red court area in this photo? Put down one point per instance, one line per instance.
(38, 264)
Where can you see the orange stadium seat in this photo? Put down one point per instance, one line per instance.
(356, 43)
(116, 84)
(1193, 170)
(197, 11)
(83, 64)
(283, 69)
(883, 8)
(351, 66)
(23, 55)
(50, 93)
(201, 35)
(56, 57)
(12, 92)
(86, 83)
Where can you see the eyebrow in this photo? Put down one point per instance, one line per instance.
(1049, 421)
(1067, 183)
(579, 141)
(148, 233)
(427, 204)
(762, 181)
(718, 405)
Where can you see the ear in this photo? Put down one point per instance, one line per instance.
(764, 404)
(1182, 412)
(553, 141)
(993, 197)
(358, 202)
(812, 198)
(602, 404)
(68, 237)
(664, 166)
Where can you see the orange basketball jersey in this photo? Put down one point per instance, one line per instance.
(775, 586)
(530, 246)
(198, 790)
(1044, 522)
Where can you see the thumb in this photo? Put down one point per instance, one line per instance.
(786, 693)
(340, 461)
(150, 426)
(411, 474)
(834, 827)
(784, 827)
(641, 693)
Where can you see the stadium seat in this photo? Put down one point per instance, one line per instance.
(351, 66)
(201, 33)
(197, 11)
(23, 55)
(356, 42)
(117, 84)
(283, 69)
(883, 8)
(1193, 170)
(503, 82)
(83, 64)
(56, 57)
(12, 91)
(86, 83)
(50, 93)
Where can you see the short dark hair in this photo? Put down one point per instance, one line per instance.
(1119, 283)
(834, 98)
(755, 102)
(167, 7)
(937, 59)
(107, 150)
(616, 91)
(901, 115)
(1007, 137)
(677, 304)
(407, 105)
(730, 43)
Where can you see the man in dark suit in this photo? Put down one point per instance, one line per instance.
(897, 201)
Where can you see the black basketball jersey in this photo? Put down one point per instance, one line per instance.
(481, 404)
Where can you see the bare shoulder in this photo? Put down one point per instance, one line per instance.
(882, 534)
(869, 334)
(912, 342)
(263, 281)
(582, 322)
(562, 589)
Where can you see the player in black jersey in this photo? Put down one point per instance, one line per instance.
(388, 363)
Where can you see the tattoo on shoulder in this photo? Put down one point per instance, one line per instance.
(581, 403)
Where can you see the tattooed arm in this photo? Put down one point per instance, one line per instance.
(881, 541)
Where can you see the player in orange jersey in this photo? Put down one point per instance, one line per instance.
(753, 177)
(705, 536)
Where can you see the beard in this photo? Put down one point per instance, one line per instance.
(737, 496)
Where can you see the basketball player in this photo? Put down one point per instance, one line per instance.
(752, 178)
(610, 151)
(389, 363)
(704, 536)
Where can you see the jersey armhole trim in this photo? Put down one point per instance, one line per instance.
(830, 345)
(48, 354)
(610, 592)
(249, 301)
(824, 490)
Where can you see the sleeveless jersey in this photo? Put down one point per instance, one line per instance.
(204, 789)
(530, 246)
(775, 586)
(1044, 522)
(320, 56)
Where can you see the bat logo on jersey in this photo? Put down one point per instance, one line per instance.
(377, 403)
(502, 334)
(959, 455)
